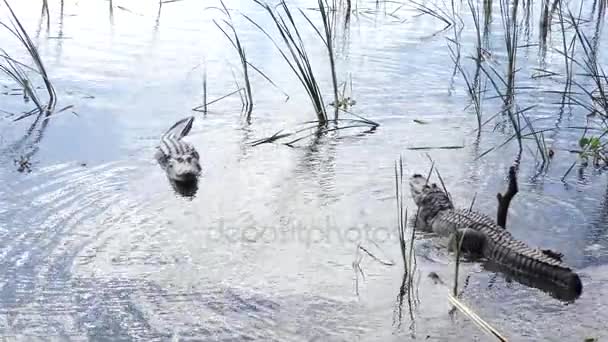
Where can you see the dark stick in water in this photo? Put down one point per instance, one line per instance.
(505, 200)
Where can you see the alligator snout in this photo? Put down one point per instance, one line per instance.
(417, 186)
(184, 169)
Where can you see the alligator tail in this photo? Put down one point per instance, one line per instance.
(520, 259)
(179, 129)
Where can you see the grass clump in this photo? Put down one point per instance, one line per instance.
(294, 53)
(236, 43)
(18, 71)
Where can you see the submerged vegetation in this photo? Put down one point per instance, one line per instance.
(583, 77)
(406, 234)
(19, 71)
(28, 75)
(490, 79)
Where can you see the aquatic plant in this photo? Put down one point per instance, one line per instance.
(406, 246)
(434, 11)
(592, 95)
(296, 55)
(327, 39)
(17, 70)
(236, 43)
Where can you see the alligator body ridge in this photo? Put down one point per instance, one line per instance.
(483, 237)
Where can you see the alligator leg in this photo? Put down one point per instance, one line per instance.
(420, 224)
(471, 242)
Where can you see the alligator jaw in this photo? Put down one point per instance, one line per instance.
(183, 171)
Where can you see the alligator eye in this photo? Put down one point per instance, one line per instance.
(434, 186)
(417, 175)
(188, 159)
(426, 186)
(180, 159)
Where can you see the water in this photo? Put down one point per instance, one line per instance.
(96, 245)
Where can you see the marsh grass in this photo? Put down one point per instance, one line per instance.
(590, 82)
(502, 83)
(597, 96)
(360, 253)
(511, 30)
(457, 263)
(454, 296)
(434, 11)
(205, 90)
(294, 54)
(539, 139)
(504, 86)
(472, 87)
(316, 128)
(406, 233)
(18, 70)
(327, 37)
(568, 53)
(233, 38)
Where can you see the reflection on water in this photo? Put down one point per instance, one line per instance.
(186, 189)
(95, 244)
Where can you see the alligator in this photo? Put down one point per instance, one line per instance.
(479, 235)
(178, 158)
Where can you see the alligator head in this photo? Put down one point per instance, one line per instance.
(183, 167)
(178, 158)
(428, 194)
(429, 198)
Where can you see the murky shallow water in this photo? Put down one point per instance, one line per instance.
(94, 243)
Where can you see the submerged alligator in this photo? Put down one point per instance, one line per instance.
(479, 235)
(178, 158)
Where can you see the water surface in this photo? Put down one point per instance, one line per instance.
(96, 245)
